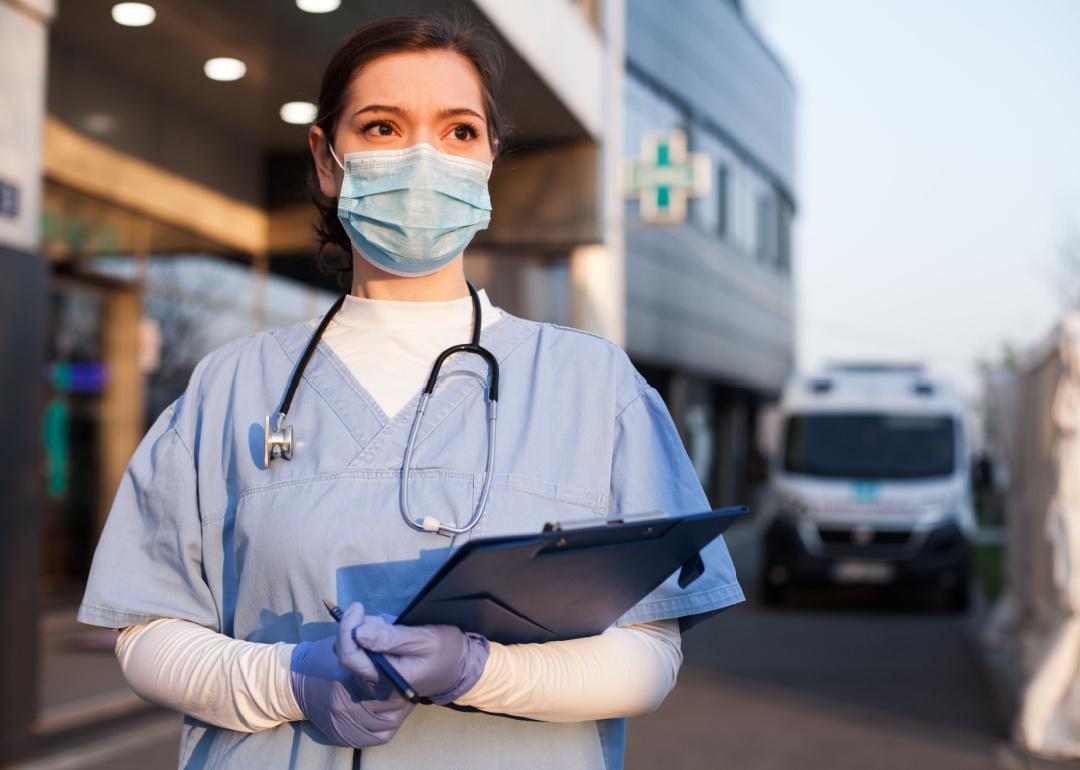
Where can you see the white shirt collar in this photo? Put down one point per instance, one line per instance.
(363, 313)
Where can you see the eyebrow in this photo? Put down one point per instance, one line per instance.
(451, 112)
(448, 112)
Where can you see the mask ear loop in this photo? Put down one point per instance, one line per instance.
(334, 155)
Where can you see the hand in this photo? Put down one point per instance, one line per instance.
(440, 662)
(349, 712)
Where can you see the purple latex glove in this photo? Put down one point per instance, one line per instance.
(440, 662)
(349, 712)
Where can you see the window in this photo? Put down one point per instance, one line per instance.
(761, 226)
(646, 112)
(722, 196)
(870, 446)
(712, 212)
(784, 237)
(742, 208)
(768, 229)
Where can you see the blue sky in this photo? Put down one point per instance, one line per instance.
(939, 173)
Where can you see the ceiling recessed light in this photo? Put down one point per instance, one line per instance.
(99, 123)
(298, 113)
(318, 6)
(133, 14)
(224, 68)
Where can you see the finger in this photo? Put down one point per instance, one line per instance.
(384, 736)
(388, 717)
(382, 690)
(353, 616)
(352, 657)
(393, 702)
(378, 636)
(366, 631)
(363, 636)
(360, 666)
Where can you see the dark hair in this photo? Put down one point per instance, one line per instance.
(396, 34)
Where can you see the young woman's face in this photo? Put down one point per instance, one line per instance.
(404, 99)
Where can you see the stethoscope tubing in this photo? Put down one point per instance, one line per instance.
(278, 438)
(428, 524)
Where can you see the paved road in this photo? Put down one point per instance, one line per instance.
(839, 681)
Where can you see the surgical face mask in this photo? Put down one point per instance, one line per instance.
(411, 211)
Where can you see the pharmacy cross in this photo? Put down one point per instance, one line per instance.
(665, 176)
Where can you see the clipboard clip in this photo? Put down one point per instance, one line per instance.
(628, 518)
(692, 568)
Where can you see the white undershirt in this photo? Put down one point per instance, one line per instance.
(389, 347)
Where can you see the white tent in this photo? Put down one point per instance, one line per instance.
(1035, 626)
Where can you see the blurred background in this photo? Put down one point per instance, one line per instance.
(842, 239)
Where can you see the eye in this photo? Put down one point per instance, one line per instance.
(378, 128)
(464, 132)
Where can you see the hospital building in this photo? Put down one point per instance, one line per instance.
(153, 206)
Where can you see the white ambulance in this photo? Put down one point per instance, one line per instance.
(869, 484)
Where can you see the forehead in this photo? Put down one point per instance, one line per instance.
(435, 78)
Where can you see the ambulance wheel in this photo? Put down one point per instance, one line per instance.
(958, 597)
(772, 594)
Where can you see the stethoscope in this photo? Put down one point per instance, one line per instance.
(278, 442)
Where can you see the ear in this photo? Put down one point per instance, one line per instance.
(329, 171)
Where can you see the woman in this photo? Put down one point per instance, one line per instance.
(215, 562)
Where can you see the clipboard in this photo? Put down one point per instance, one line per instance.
(569, 581)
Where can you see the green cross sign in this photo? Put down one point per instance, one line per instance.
(666, 175)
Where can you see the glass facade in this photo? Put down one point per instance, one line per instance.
(680, 287)
(73, 382)
(645, 112)
(743, 209)
(184, 294)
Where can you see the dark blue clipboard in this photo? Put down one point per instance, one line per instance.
(566, 582)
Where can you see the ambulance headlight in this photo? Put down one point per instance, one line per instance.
(936, 512)
(791, 505)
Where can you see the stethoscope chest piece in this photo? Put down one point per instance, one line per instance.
(277, 442)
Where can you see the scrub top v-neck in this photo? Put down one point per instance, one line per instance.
(390, 346)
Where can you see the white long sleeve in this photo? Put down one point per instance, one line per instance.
(227, 682)
(624, 672)
(245, 686)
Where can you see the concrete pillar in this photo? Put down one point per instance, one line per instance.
(122, 401)
(597, 299)
(23, 305)
(597, 271)
(676, 395)
(22, 486)
(730, 454)
(23, 39)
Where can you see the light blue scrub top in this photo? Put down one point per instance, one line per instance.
(199, 531)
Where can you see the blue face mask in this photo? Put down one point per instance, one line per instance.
(411, 211)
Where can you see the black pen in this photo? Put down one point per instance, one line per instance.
(380, 662)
